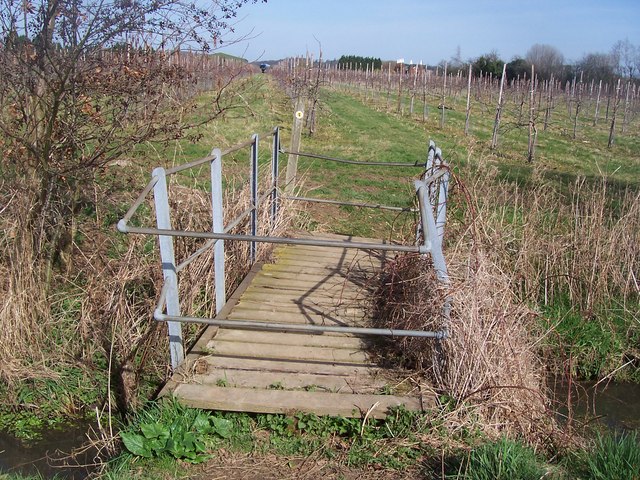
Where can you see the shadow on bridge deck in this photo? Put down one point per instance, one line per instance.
(281, 372)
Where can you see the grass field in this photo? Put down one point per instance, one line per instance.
(541, 221)
(546, 217)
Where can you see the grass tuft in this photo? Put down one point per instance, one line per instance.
(503, 459)
(611, 457)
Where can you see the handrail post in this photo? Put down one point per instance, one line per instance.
(433, 187)
(217, 214)
(430, 153)
(163, 221)
(423, 206)
(441, 218)
(429, 169)
(440, 198)
(275, 157)
(432, 241)
(254, 196)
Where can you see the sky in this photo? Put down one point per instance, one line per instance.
(432, 30)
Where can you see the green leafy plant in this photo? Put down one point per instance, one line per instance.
(184, 438)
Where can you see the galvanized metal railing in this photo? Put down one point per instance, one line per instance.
(430, 233)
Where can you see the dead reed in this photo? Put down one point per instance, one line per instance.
(580, 243)
(193, 212)
(514, 248)
(113, 290)
(491, 378)
(24, 309)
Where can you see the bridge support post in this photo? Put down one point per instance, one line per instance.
(163, 220)
(218, 227)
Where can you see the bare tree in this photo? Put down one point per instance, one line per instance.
(73, 96)
(612, 129)
(547, 59)
(597, 66)
(496, 124)
(533, 131)
(625, 57)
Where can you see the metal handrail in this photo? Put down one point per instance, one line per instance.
(352, 162)
(201, 161)
(141, 198)
(249, 324)
(430, 227)
(351, 204)
(278, 240)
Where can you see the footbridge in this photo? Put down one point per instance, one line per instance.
(295, 334)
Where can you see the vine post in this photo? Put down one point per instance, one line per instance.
(296, 133)
(496, 125)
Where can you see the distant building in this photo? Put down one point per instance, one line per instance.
(401, 66)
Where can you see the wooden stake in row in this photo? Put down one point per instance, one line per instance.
(496, 125)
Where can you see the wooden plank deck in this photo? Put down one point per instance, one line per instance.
(274, 372)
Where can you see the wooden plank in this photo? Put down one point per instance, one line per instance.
(303, 282)
(306, 260)
(302, 339)
(274, 297)
(346, 311)
(308, 381)
(318, 269)
(291, 366)
(335, 236)
(337, 259)
(339, 236)
(302, 315)
(274, 294)
(298, 317)
(344, 247)
(306, 288)
(322, 251)
(291, 352)
(293, 263)
(286, 401)
(329, 279)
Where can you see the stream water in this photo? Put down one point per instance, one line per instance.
(48, 457)
(614, 405)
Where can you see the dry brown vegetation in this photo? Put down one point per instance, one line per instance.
(491, 378)
(513, 249)
(24, 301)
(58, 263)
(115, 294)
(583, 242)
